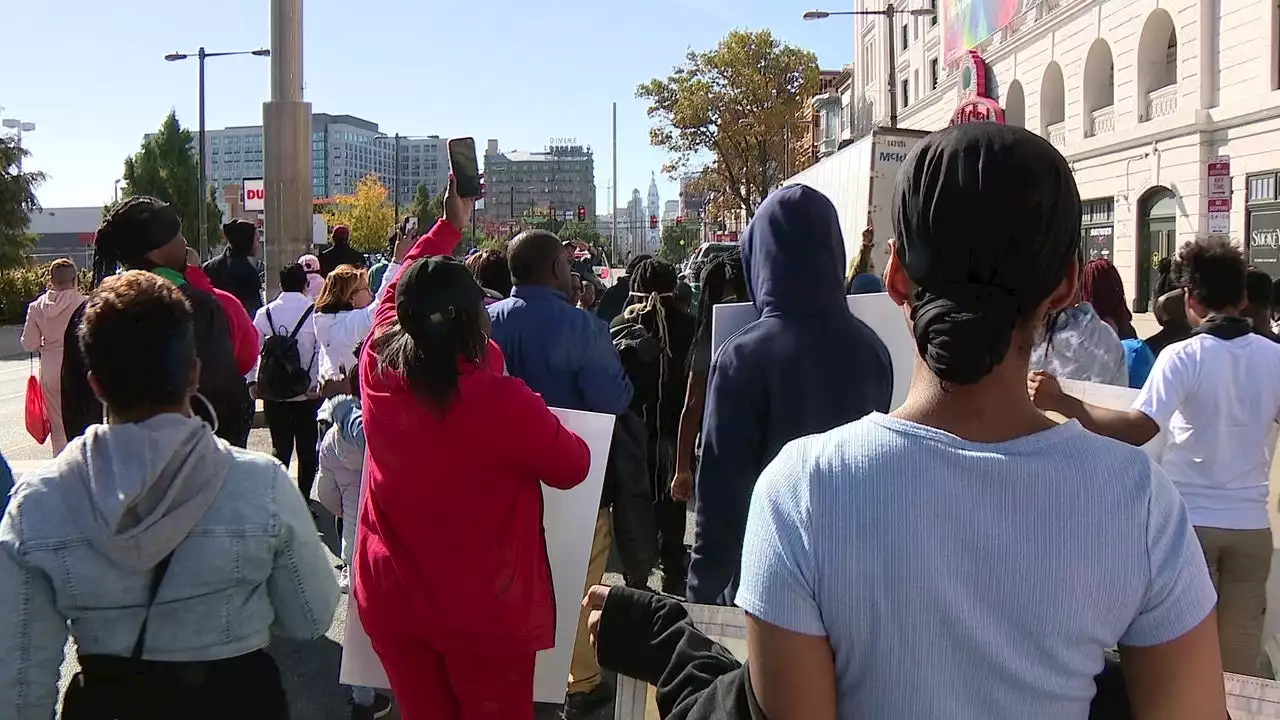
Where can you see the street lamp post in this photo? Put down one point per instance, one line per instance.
(203, 197)
(115, 190)
(890, 13)
(18, 127)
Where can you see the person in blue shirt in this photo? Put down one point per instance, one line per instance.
(806, 366)
(565, 355)
(967, 557)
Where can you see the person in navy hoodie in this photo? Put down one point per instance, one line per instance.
(806, 366)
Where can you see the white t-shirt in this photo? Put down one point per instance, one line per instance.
(1218, 400)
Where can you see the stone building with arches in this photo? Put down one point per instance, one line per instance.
(1138, 95)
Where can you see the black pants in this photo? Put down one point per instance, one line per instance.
(293, 428)
(671, 518)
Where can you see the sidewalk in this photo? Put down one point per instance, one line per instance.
(10, 345)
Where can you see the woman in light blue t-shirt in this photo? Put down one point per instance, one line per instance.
(966, 556)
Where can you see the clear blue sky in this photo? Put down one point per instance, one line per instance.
(91, 76)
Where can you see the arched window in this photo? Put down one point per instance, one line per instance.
(1099, 90)
(1157, 66)
(1053, 105)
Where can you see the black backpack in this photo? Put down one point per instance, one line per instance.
(281, 375)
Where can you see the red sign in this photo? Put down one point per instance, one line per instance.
(1219, 166)
(1219, 205)
(980, 106)
(978, 109)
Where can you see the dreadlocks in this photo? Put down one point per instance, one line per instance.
(133, 228)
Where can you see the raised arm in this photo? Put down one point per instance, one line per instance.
(443, 237)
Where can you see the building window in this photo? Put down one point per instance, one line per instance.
(906, 95)
(933, 20)
(904, 36)
(1262, 188)
(933, 74)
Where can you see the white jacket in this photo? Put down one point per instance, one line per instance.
(338, 334)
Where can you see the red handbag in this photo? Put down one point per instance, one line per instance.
(37, 416)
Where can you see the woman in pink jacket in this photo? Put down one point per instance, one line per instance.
(47, 318)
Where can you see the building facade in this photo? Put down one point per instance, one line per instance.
(556, 181)
(1169, 111)
(344, 149)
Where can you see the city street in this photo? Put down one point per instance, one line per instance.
(309, 669)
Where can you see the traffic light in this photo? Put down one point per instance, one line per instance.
(679, 219)
(653, 222)
(582, 213)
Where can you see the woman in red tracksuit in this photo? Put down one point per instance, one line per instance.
(452, 580)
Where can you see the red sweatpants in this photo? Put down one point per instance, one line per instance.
(430, 685)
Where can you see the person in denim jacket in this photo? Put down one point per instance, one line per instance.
(82, 536)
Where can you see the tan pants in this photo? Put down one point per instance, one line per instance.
(584, 671)
(1239, 563)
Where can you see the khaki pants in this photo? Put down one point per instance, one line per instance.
(1239, 563)
(584, 671)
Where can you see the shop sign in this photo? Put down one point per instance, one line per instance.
(1264, 241)
(980, 106)
(1100, 242)
(255, 194)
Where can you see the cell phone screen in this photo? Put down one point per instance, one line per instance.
(464, 166)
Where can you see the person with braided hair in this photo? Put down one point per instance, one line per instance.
(143, 233)
(659, 399)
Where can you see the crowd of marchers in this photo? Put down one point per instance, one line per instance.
(966, 553)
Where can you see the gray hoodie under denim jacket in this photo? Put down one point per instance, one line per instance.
(81, 536)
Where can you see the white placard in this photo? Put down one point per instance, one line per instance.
(1113, 397)
(876, 310)
(569, 519)
(255, 194)
(726, 625)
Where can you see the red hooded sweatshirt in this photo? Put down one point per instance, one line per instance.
(450, 547)
(244, 337)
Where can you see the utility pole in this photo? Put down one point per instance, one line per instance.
(203, 197)
(286, 126)
(613, 211)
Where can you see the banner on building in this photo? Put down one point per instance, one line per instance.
(966, 23)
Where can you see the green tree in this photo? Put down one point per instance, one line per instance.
(738, 105)
(166, 168)
(17, 202)
(678, 242)
(426, 208)
(367, 213)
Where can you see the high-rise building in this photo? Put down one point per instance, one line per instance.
(554, 181)
(344, 149)
(670, 211)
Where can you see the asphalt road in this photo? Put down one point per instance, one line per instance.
(310, 668)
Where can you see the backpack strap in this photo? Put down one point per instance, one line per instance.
(271, 323)
(157, 577)
(296, 328)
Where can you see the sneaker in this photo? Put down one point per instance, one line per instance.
(581, 706)
(380, 707)
(344, 584)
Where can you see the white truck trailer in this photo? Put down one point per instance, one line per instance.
(859, 180)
